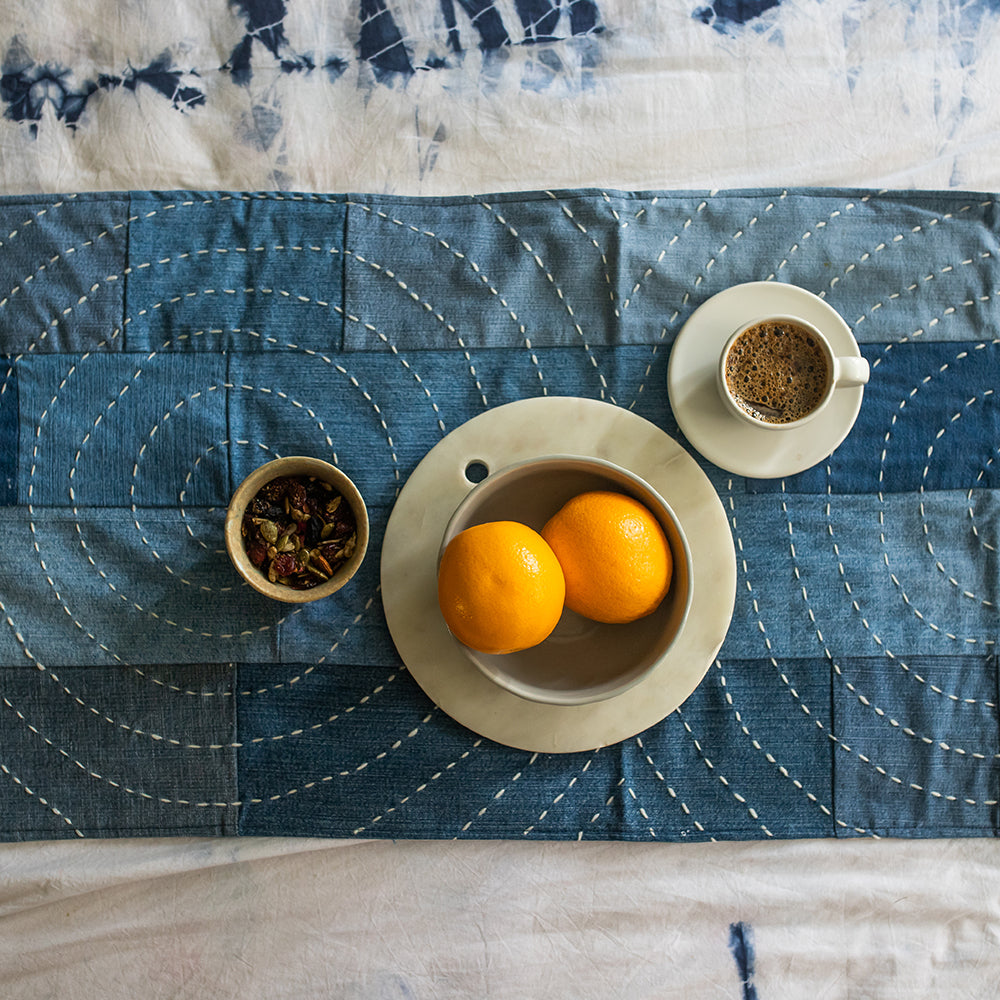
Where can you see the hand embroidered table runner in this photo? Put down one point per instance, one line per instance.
(158, 346)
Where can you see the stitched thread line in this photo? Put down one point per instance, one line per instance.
(833, 737)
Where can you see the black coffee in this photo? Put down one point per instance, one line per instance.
(777, 371)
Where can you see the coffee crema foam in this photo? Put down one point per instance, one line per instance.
(777, 371)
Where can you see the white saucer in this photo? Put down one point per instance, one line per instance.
(500, 437)
(694, 398)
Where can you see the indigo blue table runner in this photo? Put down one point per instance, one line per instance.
(158, 346)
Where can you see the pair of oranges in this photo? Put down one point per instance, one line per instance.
(502, 586)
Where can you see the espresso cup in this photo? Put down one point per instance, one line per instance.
(779, 372)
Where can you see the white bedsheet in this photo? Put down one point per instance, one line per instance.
(270, 918)
(893, 94)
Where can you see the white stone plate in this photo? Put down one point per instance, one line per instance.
(512, 433)
(722, 438)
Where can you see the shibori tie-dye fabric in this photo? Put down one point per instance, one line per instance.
(158, 346)
(445, 97)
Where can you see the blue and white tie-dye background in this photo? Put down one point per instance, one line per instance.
(433, 97)
(452, 96)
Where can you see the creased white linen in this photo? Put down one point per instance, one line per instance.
(309, 918)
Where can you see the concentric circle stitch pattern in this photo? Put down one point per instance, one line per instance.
(280, 685)
(696, 742)
(192, 745)
(961, 356)
(934, 793)
(602, 379)
(861, 697)
(278, 737)
(438, 315)
(338, 368)
(73, 499)
(272, 797)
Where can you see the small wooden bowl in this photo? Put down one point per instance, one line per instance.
(294, 465)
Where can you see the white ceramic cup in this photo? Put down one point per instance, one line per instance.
(846, 370)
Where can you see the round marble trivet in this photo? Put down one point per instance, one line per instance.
(530, 428)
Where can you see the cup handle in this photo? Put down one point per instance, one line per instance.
(851, 370)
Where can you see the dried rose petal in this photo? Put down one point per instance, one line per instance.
(284, 563)
(257, 553)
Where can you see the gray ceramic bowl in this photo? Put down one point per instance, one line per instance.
(294, 465)
(582, 660)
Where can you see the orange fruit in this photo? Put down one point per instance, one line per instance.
(500, 587)
(614, 554)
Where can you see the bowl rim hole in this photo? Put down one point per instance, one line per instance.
(476, 470)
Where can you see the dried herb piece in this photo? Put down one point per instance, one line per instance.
(298, 532)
